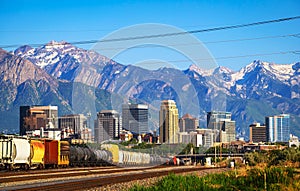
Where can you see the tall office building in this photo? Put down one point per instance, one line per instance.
(214, 117)
(257, 133)
(135, 118)
(222, 122)
(107, 126)
(278, 128)
(75, 123)
(38, 117)
(188, 123)
(168, 122)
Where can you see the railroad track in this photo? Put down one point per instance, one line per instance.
(111, 178)
(66, 173)
(5, 173)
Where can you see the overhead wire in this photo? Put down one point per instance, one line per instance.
(170, 34)
(231, 57)
(207, 42)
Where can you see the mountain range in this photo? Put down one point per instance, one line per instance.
(83, 81)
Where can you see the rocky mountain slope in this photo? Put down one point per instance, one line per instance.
(80, 80)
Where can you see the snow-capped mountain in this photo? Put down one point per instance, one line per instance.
(65, 61)
(257, 90)
(266, 79)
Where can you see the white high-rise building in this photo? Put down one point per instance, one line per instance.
(278, 128)
(168, 122)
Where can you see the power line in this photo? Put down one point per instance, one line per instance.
(263, 54)
(201, 30)
(172, 34)
(232, 57)
(297, 35)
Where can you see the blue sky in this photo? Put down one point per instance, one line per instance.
(30, 22)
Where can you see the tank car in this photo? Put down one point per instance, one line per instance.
(103, 157)
(81, 155)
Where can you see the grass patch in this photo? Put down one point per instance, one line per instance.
(273, 178)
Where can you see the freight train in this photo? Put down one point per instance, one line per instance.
(24, 153)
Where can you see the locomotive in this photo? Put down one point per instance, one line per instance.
(31, 153)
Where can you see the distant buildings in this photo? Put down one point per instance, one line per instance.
(222, 122)
(43, 121)
(294, 141)
(208, 136)
(168, 122)
(34, 118)
(188, 123)
(257, 133)
(135, 118)
(126, 135)
(75, 126)
(199, 137)
(108, 126)
(86, 135)
(72, 124)
(278, 128)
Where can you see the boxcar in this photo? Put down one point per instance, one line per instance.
(15, 152)
(51, 153)
(37, 153)
(57, 153)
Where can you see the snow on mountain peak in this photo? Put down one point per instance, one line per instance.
(223, 70)
(283, 72)
(23, 50)
(60, 46)
(50, 53)
(200, 71)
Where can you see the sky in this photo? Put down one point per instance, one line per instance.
(38, 22)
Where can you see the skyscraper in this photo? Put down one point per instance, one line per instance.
(135, 118)
(168, 120)
(214, 117)
(278, 128)
(107, 125)
(257, 133)
(222, 122)
(188, 123)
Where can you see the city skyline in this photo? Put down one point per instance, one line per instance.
(36, 121)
